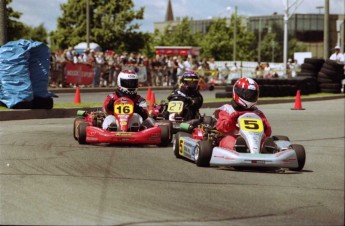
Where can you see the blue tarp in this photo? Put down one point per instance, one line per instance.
(24, 67)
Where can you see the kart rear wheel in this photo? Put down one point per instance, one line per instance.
(176, 143)
(76, 123)
(82, 133)
(170, 124)
(300, 153)
(203, 153)
(165, 135)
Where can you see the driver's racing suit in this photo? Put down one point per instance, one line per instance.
(227, 116)
(140, 109)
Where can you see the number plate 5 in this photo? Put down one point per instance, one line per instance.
(251, 124)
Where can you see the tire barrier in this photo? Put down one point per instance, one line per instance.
(330, 76)
(279, 87)
(316, 75)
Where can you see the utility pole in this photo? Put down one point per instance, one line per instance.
(88, 23)
(287, 15)
(326, 31)
(3, 22)
(286, 19)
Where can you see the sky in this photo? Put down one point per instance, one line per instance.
(36, 12)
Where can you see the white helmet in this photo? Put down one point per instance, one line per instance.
(127, 82)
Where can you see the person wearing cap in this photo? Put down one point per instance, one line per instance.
(337, 56)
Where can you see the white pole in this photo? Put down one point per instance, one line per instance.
(286, 19)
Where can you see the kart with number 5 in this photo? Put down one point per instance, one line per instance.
(200, 144)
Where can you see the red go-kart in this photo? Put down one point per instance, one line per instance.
(87, 128)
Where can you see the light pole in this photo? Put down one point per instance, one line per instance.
(88, 23)
(235, 31)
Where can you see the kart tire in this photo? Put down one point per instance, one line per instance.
(82, 132)
(269, 146)
(203, 153)
(165, 135)
(208, 120)
(76, 123)
(176, 143)
(171, 128)
(300, 153)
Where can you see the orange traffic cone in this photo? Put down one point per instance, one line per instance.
(77, 96)
(152, 101)
(298, 103)
(149, 93)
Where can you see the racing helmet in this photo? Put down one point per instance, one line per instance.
(127, 82)
(190, 80)
(245, 92)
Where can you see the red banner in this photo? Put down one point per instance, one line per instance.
(79, 74)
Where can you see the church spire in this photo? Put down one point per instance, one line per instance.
(169, 16)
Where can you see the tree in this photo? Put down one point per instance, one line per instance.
(15, 28)
(219, 40)
(38, 33)
(112, 25)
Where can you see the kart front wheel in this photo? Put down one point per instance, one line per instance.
(300, 153)
(203, 153)
(176, 143)
(76, 123)
(82, 133)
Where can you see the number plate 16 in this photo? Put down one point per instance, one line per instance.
(120, 109)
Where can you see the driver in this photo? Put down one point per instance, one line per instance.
(127, 86)
(244, 98)
(189, 89)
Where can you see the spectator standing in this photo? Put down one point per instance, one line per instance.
(174, 71)
(337, 56)
(98, 70)
(180, 68)
(267, 71)
(258, 70)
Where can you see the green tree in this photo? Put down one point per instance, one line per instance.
(15, 28)
(112, 25)
(38, 33)
(179, 35)
(219, 41)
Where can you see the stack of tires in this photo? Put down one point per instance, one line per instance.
(330, 76)
(311, 67)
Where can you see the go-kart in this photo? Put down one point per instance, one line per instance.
(200, 144)
(87, 127)
(175, 110)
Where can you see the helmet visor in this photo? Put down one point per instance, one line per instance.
(247, 94)
(129, 83)
(191, 82)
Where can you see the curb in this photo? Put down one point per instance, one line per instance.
(23, 114)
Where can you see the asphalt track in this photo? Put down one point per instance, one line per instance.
(47, 178)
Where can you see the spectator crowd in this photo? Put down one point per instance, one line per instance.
(158, 70)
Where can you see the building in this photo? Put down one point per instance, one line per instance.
(306, 28)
